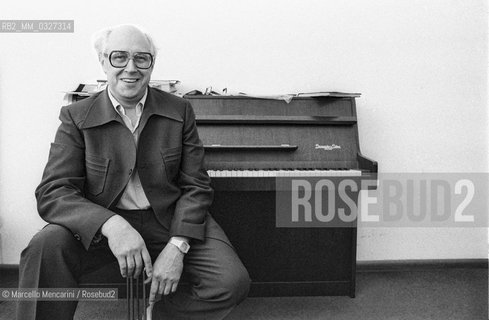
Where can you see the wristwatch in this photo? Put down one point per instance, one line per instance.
(183, 246)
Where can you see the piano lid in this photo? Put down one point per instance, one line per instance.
(252, 133)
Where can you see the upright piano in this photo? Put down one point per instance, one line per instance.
(252, 142)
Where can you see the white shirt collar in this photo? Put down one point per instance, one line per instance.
(116, 104)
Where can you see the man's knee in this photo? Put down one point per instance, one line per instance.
(235, 284)
(242, 285)
(51, 241)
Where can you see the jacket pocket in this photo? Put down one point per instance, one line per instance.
(171, 161)
(96, 169)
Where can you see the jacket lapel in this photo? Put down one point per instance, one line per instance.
(157, 104)
(100, 112)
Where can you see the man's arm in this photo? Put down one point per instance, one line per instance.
(60, 195)
(61, 200)
(190, 211)
(197, 195)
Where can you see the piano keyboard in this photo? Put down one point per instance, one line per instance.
(283, 173)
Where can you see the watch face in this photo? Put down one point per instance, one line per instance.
(181, 245)
(184, 247)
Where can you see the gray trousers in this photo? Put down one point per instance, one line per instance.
(54, 258)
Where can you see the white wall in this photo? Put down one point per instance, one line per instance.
(420, 64)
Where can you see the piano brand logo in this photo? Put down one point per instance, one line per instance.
(328, 147)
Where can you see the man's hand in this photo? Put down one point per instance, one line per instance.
(128, 247)
(167, 271)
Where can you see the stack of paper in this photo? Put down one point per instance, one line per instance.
(87, 89)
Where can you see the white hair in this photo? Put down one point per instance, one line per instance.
(100, 38)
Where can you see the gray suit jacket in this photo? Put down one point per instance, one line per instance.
(94, 154)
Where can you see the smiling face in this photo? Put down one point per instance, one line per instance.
(127, 84)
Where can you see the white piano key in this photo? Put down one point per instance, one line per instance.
(283, 173)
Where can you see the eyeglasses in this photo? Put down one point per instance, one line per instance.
(120, 59)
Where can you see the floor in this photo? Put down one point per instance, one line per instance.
(458, 294)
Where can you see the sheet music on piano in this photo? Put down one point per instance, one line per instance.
(336, 94)
(288, 97)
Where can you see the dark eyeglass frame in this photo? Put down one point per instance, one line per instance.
(129, 58)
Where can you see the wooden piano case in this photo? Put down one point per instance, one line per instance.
(281, 261)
